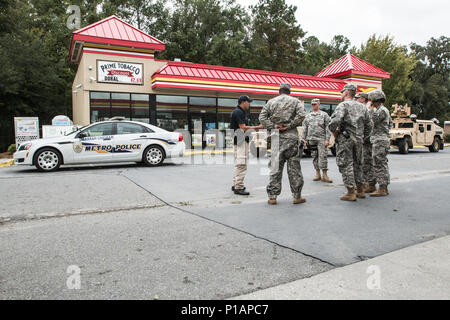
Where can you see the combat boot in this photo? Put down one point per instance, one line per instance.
(325, 177)
(350, 195)
(272, 201)
(360, 192)
(317, 177)
(381, 192)
(299, 200)
(370, 188)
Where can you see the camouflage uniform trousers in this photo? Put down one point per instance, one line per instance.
(380, 150)
(368, 164)
(349, 160)
(288, 152)
(319, 154)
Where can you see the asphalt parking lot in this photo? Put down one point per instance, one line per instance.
(178, 232)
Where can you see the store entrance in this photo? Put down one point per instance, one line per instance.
(208, 122)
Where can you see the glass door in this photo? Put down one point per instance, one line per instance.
(203, 116)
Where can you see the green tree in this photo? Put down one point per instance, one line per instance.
(276, 36)
(207, 31)
(318, 55)
(34, 44)
(150, 16)
(385, 54)
(429, 94)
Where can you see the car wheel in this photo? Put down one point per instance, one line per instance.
(403, 146)
(435, 146)
(47, 160)
(154, 156)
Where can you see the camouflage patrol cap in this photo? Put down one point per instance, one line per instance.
(362, 95)
(350, 87)
(286, 86)
(315, 101)
(377, 95)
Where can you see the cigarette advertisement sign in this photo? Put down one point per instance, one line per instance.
(26, 129)
(120, 72)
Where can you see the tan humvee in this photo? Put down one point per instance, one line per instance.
(409, 132)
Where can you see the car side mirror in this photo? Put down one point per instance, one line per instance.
(422, 129)
(82, 135)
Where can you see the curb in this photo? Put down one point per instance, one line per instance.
(7, 164)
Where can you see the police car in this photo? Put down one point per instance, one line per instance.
(110, 141)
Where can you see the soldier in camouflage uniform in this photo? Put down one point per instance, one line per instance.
(382, 123)
(368, 177)
(284, 113)
(350, 124)
(317, 136)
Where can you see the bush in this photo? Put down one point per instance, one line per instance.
(447, 137)
(12, 148)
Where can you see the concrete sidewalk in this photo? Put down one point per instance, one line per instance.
(418, 272)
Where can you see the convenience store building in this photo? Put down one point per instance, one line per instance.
(118, 75)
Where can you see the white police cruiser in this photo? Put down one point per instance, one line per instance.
(115, 140)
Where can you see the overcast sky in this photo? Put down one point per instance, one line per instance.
(407, 21)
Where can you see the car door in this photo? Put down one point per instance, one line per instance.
(94, 144)
(129, 141)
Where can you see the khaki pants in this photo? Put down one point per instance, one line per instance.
(240, 164)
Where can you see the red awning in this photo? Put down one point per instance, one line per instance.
(184, 75)
(113, 31)
(349, 64)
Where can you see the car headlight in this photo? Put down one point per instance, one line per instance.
(25, 146)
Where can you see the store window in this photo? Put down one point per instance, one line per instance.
(255, 109)
(308, 107)
(203, 109)
(326, 108)
(172, 112)
(120, 105)
(100, 106)
(333, 107)
(225, 108)
(140, 109)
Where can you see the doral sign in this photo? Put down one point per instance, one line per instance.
(120, 72)
(61, 121)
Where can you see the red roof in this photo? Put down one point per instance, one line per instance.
(244, 78)
(349, 64)
(114, 31)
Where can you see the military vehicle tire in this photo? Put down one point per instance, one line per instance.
(403, 146)
(435, 146)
